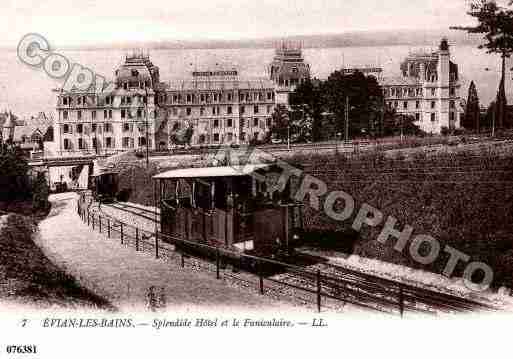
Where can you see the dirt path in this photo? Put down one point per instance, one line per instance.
(124, 276)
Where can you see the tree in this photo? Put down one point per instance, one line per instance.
(280, 128)
(307, 109)
(496, 23)
(399, 124)
(472, 116)
(14, 180)
(365, 101)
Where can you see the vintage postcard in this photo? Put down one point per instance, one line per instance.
(242, 178)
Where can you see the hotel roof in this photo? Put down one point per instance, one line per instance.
(400, 81)
(219, 84)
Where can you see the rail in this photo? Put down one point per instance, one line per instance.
(318, 288)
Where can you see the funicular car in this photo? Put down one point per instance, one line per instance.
(240, 208)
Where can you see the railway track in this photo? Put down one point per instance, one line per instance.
(381, 294)
(351, 286)
(138, 211)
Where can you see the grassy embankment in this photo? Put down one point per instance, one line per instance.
(27, 276)
(463, 199)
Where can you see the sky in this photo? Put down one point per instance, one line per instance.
(89, 22)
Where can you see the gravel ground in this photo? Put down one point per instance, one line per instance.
(125, 277)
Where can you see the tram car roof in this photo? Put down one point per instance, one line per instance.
(210, 172)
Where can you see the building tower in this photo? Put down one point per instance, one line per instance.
(288, 70)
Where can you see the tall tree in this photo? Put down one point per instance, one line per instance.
(280, 128)
(472, 116)
(365, 98)
(307, 110)
(496, 23)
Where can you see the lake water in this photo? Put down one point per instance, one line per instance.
(27, 90)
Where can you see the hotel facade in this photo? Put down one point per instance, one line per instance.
(428, 90)
(219, 107)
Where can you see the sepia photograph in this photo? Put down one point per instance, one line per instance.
(319, 178)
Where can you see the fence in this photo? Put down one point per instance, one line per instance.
(268, 276)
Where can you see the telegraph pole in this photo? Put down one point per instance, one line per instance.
(346, 132)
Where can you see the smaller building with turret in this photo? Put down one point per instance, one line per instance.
(428, 90)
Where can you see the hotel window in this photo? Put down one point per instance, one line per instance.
(452, 104)
(215, 97)
(107, 127)
(93, 115)
(269, 95)
(126, 142)
(230, 96)
(433, 92)
(104, 113)
(260, 96)
(65, 128)
(229, 122)
(129, 100)
(417, 117)
(67, 144)
(125, 85)
(216, 137)
(255, 109)
(405, 105)
(202, 98)
(433, 104)
(268, 122)
(93, 127)
(80, 128)
(108, 142)
(123, 114)
(126, 127)
(188, 98)
(80, 144)
(64, 100)
(216, 123)
(417, 104)
(241, 97)
(396, 104)
(188, 111)
(452, 91)
(433, 117)
(229, 110)
(269, 108)
(65, 115)
(255, 122)
(79, 100)
(142, 141)
(243, 136)
(110, 114)
(79, 114)
(123, 100)
(139, 113)
(242, 110)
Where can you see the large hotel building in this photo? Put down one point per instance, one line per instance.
(427, 90)
(219, 106)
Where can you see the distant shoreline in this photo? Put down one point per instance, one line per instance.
(349, 39)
